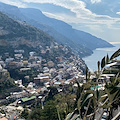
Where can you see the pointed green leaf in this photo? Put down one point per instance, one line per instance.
(88, 97)
(116, 54)
(98, 63)
(107, 59)
(103, 63)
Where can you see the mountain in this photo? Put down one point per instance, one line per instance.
(14, 35)
(81, 42)
(77, 36)
(18, 38)
(17, 35)
(15, 13)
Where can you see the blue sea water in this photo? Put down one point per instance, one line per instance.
(98, 54)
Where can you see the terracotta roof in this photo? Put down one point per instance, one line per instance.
(4, 118)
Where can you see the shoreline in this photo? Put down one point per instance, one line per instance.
(98, 54)
(101, 48)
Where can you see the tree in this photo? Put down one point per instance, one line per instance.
(88, 101)
(52, 91)
(113, 95)
(25, 113)
(48, 113)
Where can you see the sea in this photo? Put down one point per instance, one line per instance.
(98, 54)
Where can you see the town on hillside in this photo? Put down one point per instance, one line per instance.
(33, 75)
(34, 79)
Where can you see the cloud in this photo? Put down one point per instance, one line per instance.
(115, 42)
(95, 27)
(83, 15)
(95, 1)
(17, 3)
(78, 7)
(61, 16)
(73, 5)
(118, 13)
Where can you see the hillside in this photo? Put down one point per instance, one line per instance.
(82, 43)
(16, 35)
(15, 13)
(7, 85)
(24, 47)
(78, 37)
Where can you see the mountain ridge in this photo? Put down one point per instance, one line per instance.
(61, 31)
(15, 34)
(64, 29)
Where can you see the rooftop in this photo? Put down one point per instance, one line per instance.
(27, 99)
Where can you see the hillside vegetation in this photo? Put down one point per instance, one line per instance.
(18, 33)
(81, 43)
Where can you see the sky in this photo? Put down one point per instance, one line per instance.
(98, 17)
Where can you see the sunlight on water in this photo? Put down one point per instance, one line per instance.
(106, 49)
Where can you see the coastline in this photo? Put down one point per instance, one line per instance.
(98, 54)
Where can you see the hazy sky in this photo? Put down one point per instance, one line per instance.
(98, 17)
